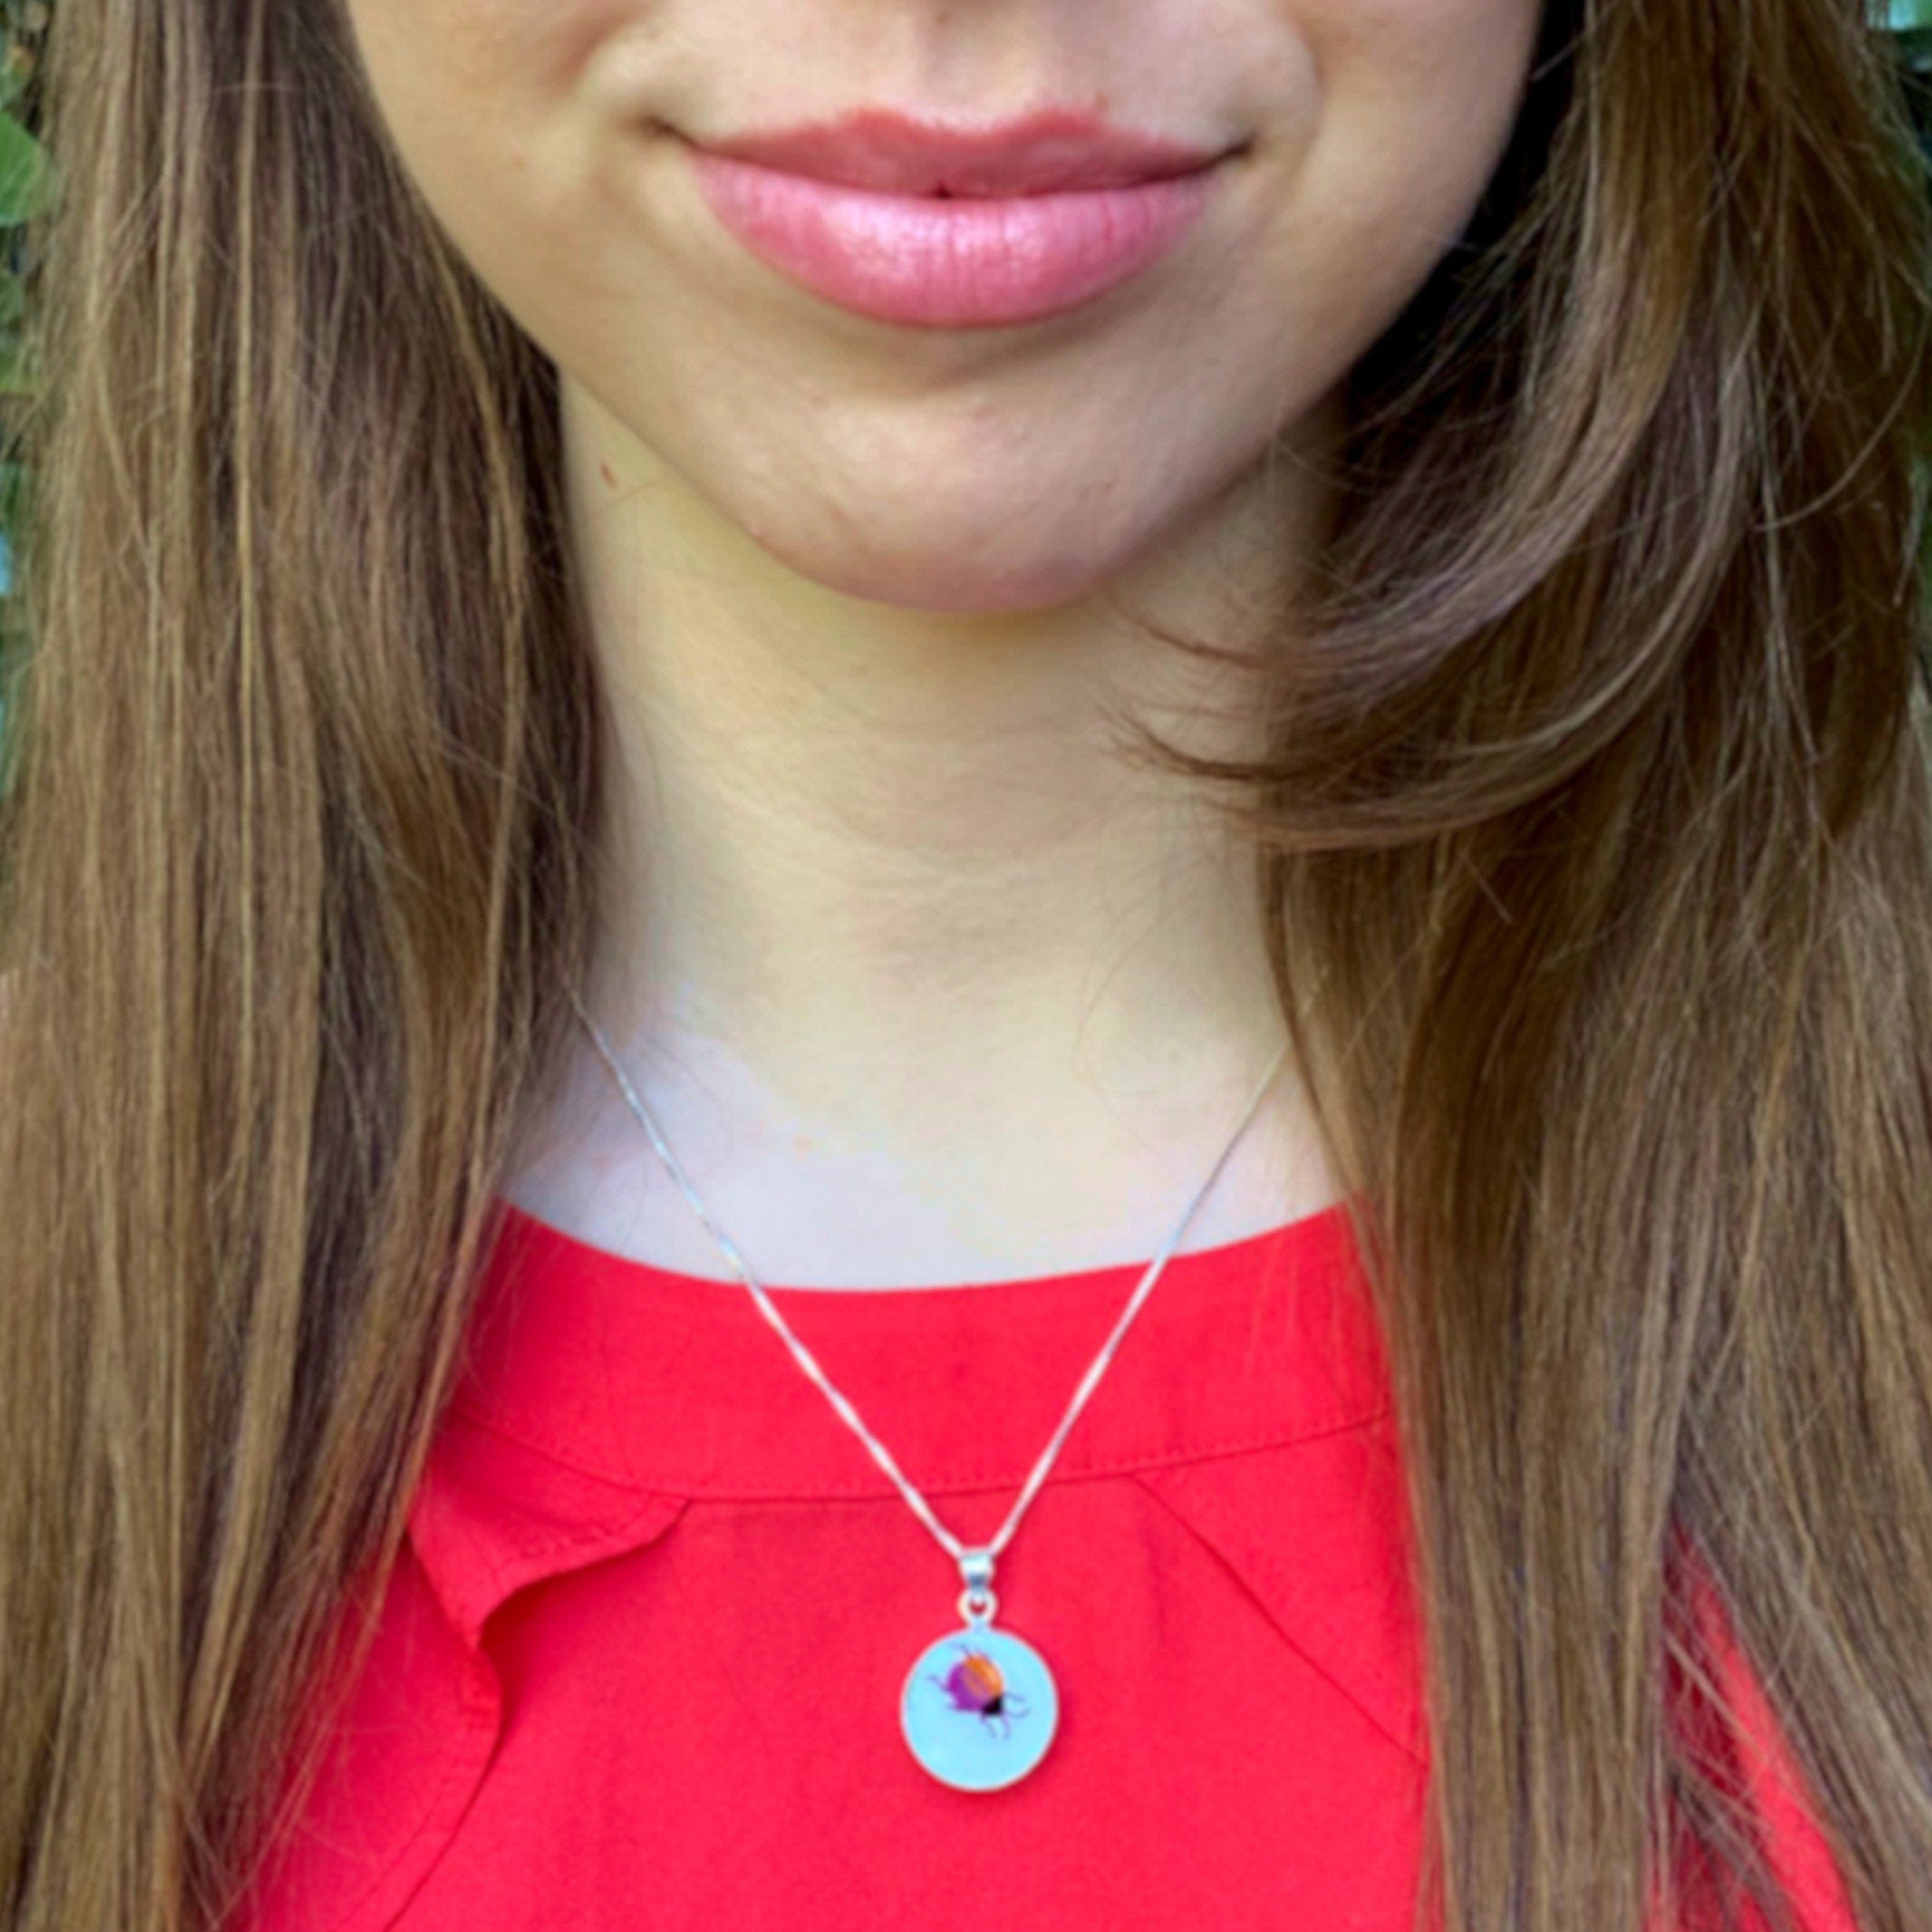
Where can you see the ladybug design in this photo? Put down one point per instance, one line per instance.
(974, 1683)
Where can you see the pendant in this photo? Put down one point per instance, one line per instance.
(980, 1705)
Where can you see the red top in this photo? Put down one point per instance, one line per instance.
(641, 1659)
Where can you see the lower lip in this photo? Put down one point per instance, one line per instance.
(949, 263)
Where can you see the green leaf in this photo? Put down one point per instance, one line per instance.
(25, 174)
(1904, 15)
(20, 370)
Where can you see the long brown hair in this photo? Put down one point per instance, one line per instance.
(1596, 843)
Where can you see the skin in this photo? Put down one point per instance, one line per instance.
(924, 983)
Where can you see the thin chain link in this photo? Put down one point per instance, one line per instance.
(976, 1561)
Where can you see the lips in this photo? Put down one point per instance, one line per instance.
(1055, 149)
(913, 223)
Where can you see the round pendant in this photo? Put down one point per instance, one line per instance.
(979, 1707)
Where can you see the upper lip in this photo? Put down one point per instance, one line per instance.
(900, 153)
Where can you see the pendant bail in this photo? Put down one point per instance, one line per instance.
(977, 1601)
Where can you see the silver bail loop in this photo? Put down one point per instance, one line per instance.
(977, 1601)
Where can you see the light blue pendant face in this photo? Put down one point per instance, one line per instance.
(979, 1709)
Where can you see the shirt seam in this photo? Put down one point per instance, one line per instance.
(856, 1490)
(477, 1731)
(1190, 1520)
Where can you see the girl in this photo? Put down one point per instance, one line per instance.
(971, 962)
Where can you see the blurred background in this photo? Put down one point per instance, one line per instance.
(1908, 23)
(24, 186)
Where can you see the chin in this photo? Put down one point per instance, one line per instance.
(963, 569)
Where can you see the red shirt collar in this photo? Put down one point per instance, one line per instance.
(676, 1384)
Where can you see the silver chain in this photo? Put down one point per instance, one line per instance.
(977, 1601)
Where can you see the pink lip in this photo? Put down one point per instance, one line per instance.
(913, 223)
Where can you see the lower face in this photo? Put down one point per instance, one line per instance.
(960, 402)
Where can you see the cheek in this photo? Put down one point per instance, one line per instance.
(475, 96)
(479, 52)
(1418, 101)
(1421, 95)
(1414, 35)
(479, 98)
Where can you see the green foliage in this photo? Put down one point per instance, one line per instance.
(26, 191)
(1909, 22)
(26, 175)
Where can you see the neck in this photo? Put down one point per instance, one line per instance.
(878, 890)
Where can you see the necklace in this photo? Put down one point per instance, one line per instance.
(979, 1706)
